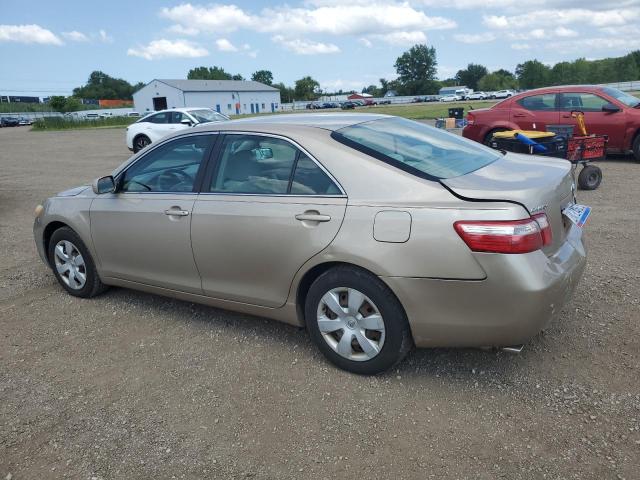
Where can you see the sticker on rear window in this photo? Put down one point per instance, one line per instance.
(578, 214)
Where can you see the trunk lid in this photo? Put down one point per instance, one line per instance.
(538, 183)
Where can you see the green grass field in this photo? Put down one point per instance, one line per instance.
(57, 123)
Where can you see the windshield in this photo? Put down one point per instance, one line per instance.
(206, 115)
(417, 148)
(624, 97)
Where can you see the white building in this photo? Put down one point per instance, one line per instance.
(231, 97)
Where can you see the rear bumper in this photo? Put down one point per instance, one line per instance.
(473, 132)
(517, 299)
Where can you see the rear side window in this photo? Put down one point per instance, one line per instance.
(164, 117)
(416, 148)
(546, 101)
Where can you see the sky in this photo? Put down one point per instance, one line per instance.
(48, 48)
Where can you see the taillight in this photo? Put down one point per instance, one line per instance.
(545, 228)
(500, 236)
(470, 118)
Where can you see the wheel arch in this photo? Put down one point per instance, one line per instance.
(48, 232)
(314, 272)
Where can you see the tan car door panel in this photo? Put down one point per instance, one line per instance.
(249, 247)
(146, 238)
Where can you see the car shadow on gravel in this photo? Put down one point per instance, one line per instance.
(450, 364)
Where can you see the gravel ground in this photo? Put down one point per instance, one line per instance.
(130, 385)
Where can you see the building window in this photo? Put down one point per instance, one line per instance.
(263, 106)
(228, 106)
(244, 106)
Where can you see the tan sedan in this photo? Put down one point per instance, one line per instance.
(374, 232)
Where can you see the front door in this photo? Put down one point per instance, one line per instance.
(142, 233)
(535, 112)
(263, 212)
(596, 121)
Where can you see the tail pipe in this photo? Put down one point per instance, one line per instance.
(515, 349)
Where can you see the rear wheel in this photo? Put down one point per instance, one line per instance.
(590, 177)
(140, 142)
(356, 321)
(73, 265)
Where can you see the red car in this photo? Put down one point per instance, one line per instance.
(607, 111)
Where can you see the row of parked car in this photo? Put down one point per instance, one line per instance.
(454, 97)
(349, 104)
(12, 121)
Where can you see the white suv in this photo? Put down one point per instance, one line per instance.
(154, 126)
(503, 94)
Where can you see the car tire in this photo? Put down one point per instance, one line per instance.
(636, 148)
(368, 351)
(73, 265)
(489, 136)
(589, 177)
(139, 142)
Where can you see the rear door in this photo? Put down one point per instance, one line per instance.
(266, 207)
(535, 112)
(596, 121)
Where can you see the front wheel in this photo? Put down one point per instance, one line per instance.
(73, 265)
(356, 321)
(636, 148)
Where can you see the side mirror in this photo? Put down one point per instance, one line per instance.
(186, 121)
(610, 108)
(104, 185)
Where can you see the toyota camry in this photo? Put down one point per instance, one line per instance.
(374, 232)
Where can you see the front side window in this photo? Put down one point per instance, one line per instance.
(164, 117)
(416, 148)
(586, 102)
(546, 101)
(171, 167)
(177, 117)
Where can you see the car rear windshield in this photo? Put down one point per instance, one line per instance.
(205, 115)
(416, 148)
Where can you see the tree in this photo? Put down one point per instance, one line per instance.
(286, 93)
(262, 76)
(306, 88)
(372, 90)
(102, 86)
(416, 70)
(498, 80)
(237, 76)
(471, 75)
(533, 74)
(57, 102)
(208, 73)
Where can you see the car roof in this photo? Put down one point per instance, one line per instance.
(326, 121)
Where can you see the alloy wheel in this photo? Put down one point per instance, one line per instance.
(351, 324)
(70, 265)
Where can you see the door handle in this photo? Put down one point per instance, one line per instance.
(312, 217)
(566, 116)
(174, 212)
(519, 115)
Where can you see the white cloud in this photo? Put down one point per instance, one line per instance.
(403, 38)
(75, 36)
(581, 16)
(475, 37)
(180, 30)
(565, 32)
(366, 42)
(168, 49)
(105, 37)
(339, 84)
(620, 44)
(520, 46)
(212, 19)
(225, 45)
(305, 47)
(28, 34)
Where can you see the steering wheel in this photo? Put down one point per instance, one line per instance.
(169, 179)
